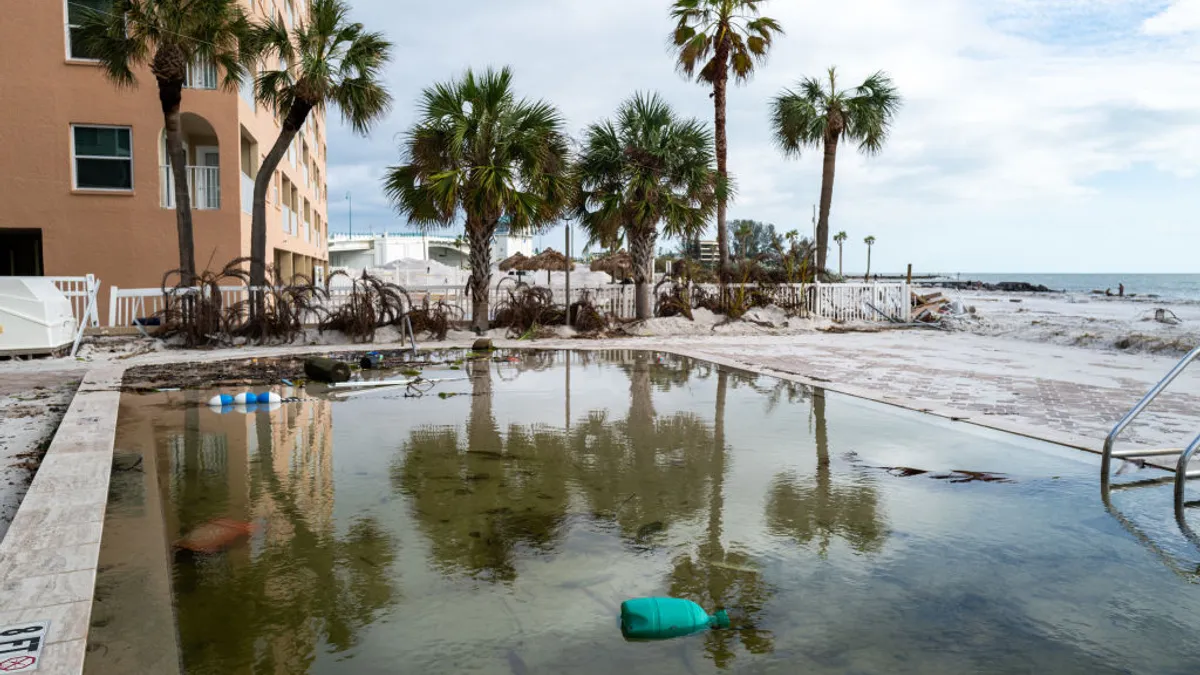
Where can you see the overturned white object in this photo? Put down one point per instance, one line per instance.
(35, 316)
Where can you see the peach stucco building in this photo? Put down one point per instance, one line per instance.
(84, 183)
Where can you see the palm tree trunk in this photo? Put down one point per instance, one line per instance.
(839, 260)
(479, 240)
(722, 164)
(262, 182)
(867, 276)
(641, 249)
(170, 93)
(826, 199)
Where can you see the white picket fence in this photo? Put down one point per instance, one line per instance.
(837, 302)
(81, 291)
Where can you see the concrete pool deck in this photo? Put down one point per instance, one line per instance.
(1064, 395)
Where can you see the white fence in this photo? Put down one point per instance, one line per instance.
(837, 302)
(81, 291)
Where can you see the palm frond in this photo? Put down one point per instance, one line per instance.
(870, 111)
(796, 122)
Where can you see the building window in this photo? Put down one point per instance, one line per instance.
(103, 157)
(76, 12)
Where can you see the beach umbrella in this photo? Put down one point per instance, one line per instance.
(513, 261)
(619, 265)
(549, 260)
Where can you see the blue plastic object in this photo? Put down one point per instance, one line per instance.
(665, 618)
(220, 400)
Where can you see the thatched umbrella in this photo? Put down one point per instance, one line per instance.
(513, 261)
(549, 260)
(619, 265)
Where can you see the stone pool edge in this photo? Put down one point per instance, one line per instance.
(49, 556)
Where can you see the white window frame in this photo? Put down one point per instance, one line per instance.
(67, 25)
(74, 158)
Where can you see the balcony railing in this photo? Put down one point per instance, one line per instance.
(201, 75)
(247, 193)
(204, 187)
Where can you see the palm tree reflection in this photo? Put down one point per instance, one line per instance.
(717, 577)
(817, 509)
(478, 502)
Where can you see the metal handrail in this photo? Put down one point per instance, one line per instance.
(1106, 460)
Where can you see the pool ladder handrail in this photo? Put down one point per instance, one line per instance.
(1185, 455)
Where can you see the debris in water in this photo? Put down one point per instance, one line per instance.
(215, 535)
(650, 528)
(953, 476)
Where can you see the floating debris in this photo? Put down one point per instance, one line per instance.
(215, 535)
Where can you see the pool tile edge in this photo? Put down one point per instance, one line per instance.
(47, 560)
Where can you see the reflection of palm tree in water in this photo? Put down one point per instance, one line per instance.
(645, 472)
(720, 578)
(821, 510)
(267, 611)
(478, 504)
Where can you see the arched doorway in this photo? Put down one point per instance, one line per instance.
(202, 149)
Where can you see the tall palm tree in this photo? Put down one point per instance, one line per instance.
(840, 238)
(820, 114)
(478, 150)
(714, 37)
(324, 59)
(168, 35)
(869, 241)
(645, 168)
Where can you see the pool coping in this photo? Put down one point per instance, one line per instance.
(49, 557)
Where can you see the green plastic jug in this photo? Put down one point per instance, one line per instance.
(664, 618)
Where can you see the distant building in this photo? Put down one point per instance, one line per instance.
(362, 251)
(709, 252)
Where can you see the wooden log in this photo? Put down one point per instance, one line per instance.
(322, 369)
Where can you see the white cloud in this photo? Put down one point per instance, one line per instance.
(1181, 16)
(1042, 117)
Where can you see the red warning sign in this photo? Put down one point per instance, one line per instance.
(21, 646)
(16, 664)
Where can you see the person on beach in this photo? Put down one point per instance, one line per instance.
(1121, 290)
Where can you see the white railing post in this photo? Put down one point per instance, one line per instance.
(113, 299)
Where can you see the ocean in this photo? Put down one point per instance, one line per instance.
(1167, 286)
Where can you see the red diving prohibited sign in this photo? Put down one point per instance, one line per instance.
(21, 646)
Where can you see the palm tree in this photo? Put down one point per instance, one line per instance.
(324, 59)
(869, 241)
(821, 115)
(168, 35)
(840, 238)
(714, 37)
(646, 167)
(478, 150)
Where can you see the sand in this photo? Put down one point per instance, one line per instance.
(1079, 320)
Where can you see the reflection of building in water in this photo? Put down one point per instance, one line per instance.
(210, 467)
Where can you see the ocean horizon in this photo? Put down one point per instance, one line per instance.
(1167, 286)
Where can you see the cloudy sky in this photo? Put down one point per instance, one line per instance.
(1036, 135)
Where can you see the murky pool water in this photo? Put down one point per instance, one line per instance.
(497, 530)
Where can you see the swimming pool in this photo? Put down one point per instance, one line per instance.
(494, 525)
